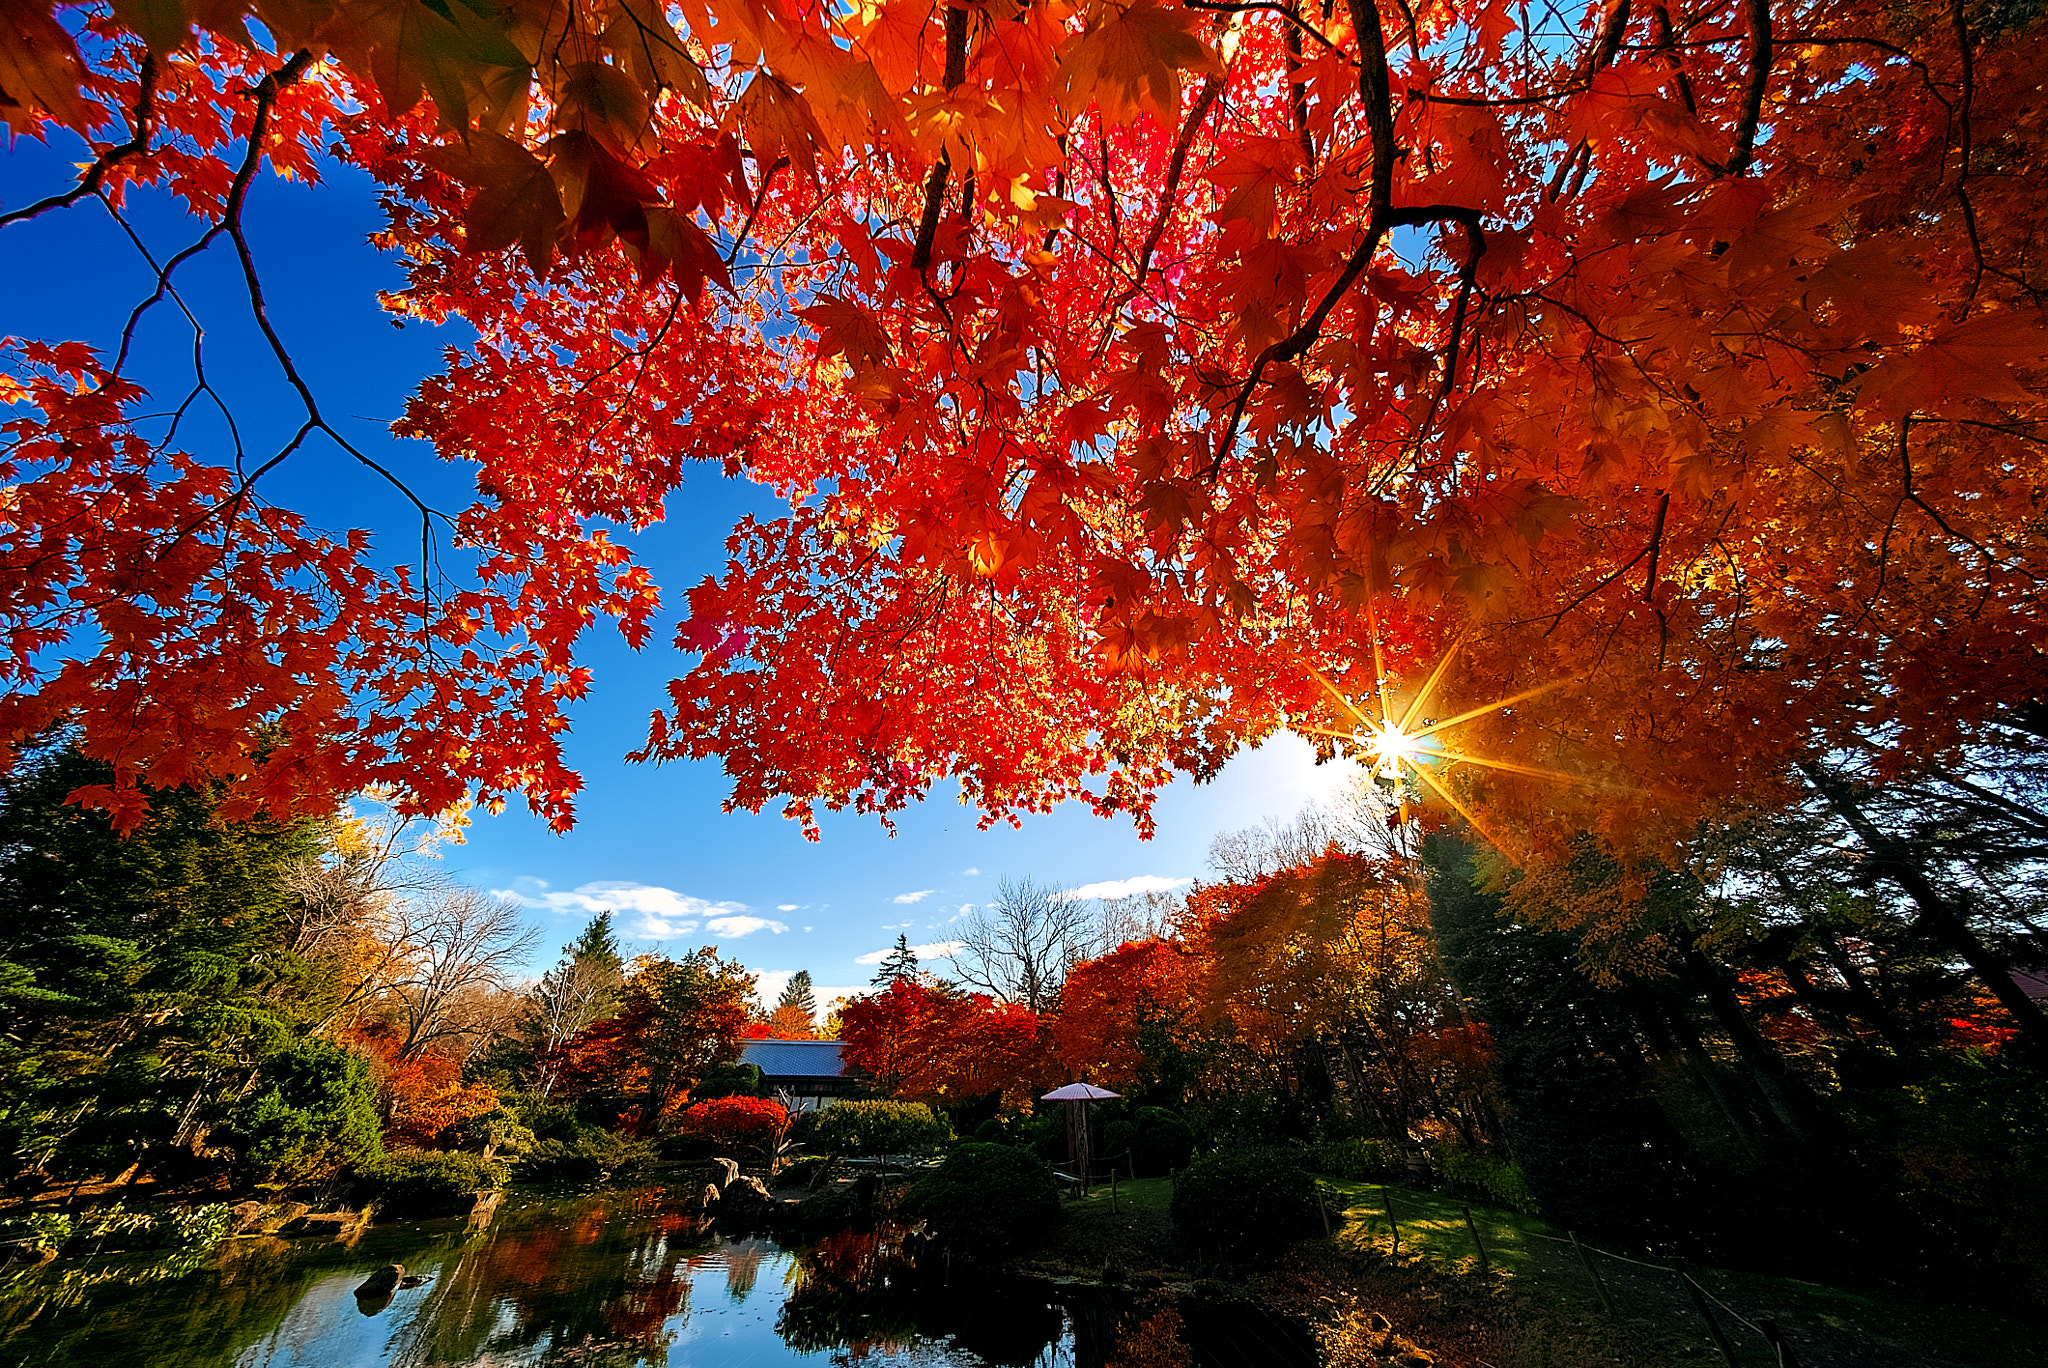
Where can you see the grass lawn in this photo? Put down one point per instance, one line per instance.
(1654, 1312)
(1129, 1194)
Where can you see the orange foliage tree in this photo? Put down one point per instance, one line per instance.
(679, 1019)
(940, 1045)
(425, 1097)
(1328, 969)
(1682, 359)
(1107, 1002)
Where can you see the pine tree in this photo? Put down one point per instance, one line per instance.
(797, 993)
(597, 945)
(899, 966)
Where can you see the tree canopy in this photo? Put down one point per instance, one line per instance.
(1662, 382)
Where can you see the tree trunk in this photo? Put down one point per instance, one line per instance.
(1938, 916)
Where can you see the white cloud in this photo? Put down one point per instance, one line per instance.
(935, 951)
(970, 870)
(743, 926)
(1127, 888)
(919, 896)
(663, 912)
(785, 907)
(899, 926)
(769, 983)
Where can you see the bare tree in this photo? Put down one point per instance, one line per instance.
(468, 944)
(1020, 946)
(583, 987)
(1141, 916)
(1359, 822)
(346, 906)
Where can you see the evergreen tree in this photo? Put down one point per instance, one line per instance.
(899, 965)
(597, 945)
(797, 993)
(143, 981)
(1570, 1064)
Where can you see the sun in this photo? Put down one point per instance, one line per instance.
(1393, 748)
(1417, 746)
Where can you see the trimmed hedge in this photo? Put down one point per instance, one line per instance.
(1358, 1159)
(985, 1202)
(1485, 1178)
(423, 1185)
(594, 1156)
(880, 1128)
(1246, 1201)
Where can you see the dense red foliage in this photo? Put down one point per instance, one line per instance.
(737, 1123)
(940, 1045)
(1105, 999)
(1143, 377)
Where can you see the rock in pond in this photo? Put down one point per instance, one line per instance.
(382, 1283)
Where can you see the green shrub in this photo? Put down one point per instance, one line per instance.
(312, 1113)
(1246, 1200)
(416, 1186)
(986, 1201)
(880, 1128)
(805, 1170)
(1357, 1159)
(546, 1119)
(1164, 1142)
(1483, 1177)
(594, 1156)
(730, 1080)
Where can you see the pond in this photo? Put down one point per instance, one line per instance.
(614, 1280)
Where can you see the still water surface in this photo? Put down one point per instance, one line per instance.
(616, 1280)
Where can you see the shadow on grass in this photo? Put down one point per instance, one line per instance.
(1653, 1309)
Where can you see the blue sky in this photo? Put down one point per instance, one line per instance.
(651, 841)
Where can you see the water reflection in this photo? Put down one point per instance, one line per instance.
(617, 1280)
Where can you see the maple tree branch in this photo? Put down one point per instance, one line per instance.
(1760, 56)
(754, 210)
(1656, 548)
(1375, 90)
(935, 183)
(201, 384)
(266, 93)
(1176, 167)
(1294, 20)
(1912, 496)
(1297, 97)
(1614, 23)
(1305, 336)
(1661, 16)
(1964, 99)
(1468, 274)
(142, 124)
